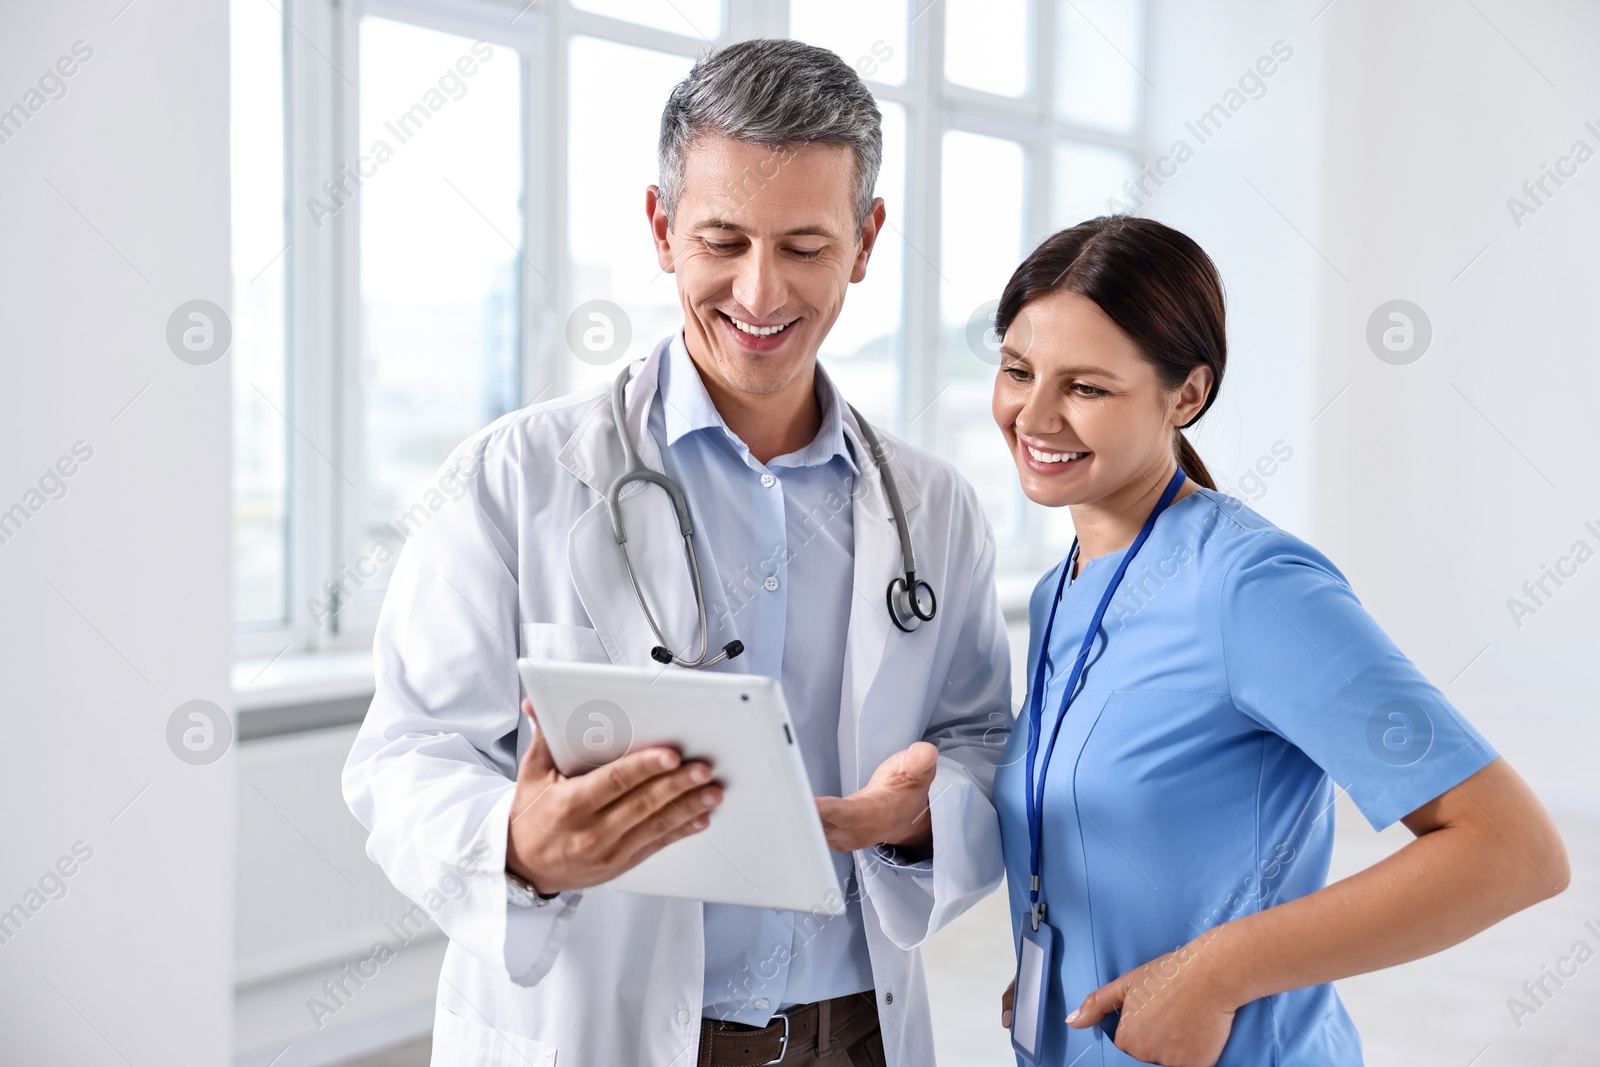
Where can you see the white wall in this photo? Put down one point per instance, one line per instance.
(311, 909)
(1376, 166)
(1264, 159)
(116, 595)
(1446, 483)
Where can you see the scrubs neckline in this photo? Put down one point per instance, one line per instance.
(1119, 553)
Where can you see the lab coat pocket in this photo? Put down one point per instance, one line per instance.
(462, 1042)
(554, 640)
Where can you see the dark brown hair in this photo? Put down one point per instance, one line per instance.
(1156, 284)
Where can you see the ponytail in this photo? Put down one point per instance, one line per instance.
(1190, 461)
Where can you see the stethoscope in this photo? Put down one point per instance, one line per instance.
(910, 599)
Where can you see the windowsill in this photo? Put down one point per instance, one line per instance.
(301, 691)
(296, 678)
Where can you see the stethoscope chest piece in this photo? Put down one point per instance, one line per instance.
(911, 602)
(910, 599)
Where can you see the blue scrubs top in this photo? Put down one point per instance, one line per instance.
(1236, 686)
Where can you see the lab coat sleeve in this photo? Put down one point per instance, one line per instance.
(433, 768)
(970, 722)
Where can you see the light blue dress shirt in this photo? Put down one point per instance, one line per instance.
(766, 531)
(1236, 686)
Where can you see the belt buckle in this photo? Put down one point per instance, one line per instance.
(783, 1044)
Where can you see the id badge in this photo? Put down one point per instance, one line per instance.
(1033, 980)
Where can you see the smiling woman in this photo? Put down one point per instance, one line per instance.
(1201, 735)
(1148, 298)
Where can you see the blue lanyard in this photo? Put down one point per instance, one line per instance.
(1036, 701)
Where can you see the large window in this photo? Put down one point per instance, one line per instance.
(440, 267)
(260, 313)
(610, 155)
(432, 196)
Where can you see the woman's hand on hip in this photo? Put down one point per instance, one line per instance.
(1173, 1012)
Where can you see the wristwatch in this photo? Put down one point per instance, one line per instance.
(521, 894)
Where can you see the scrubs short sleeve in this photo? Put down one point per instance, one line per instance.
(1305, 661)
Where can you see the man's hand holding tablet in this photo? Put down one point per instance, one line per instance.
(572, 833)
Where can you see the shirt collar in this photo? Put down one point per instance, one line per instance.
(688, 408)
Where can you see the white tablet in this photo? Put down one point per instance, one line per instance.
(764, 846)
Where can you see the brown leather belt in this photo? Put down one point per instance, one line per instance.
(725, 1044)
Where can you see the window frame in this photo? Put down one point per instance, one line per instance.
(323, 342)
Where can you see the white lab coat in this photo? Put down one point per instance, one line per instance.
(522, 561)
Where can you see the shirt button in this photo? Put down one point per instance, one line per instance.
(763, 1004)
(768, 480)
(683, 1017)
(770, 584)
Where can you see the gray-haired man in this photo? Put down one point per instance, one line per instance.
(765, 214)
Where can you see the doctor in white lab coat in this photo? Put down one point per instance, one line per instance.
(448, 774)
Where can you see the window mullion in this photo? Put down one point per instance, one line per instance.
(1040, 147)
(921, 359)
(545, 204)
(345, 421)
(777, 13)
(590, 24)
(508, 23)
(743, 20)
(313, 274)
(1038, 195)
